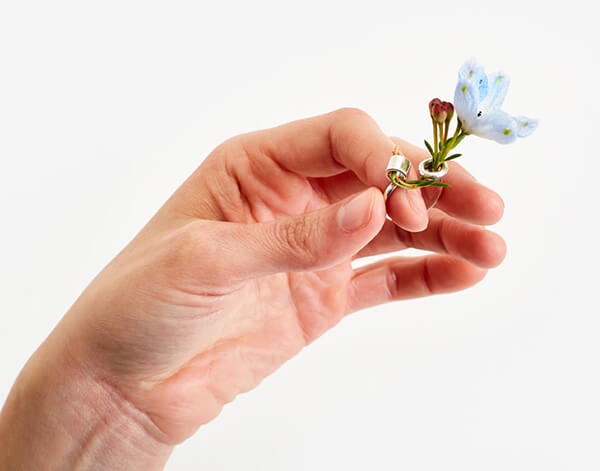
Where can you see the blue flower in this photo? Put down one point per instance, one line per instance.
(477, 100)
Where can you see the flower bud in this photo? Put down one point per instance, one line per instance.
(439, 112)
(449, 109)
(432, 103)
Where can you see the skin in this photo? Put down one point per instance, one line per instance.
(246, 264)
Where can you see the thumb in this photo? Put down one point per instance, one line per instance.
(309, 241)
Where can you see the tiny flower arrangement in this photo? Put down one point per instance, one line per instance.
(477, 101)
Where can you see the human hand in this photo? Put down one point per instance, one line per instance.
(250, 260)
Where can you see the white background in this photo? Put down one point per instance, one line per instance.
(106, 107)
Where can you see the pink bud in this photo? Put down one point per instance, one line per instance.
(449, 109)
(432, 103)
(439, 112)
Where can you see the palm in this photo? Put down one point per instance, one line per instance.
(261, 324)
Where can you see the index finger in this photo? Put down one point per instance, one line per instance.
(329, 144)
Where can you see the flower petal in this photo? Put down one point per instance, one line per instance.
(466, 99)
(498, 126)
(473, 72)
(525, 126)
(497, 92)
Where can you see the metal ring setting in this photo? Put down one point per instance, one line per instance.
(431, 174)
(389, 190)
(397, 164)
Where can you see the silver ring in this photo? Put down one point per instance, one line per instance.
(398, 163)
(389, 190)
(430, 174)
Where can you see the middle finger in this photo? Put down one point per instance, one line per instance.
(444, 235)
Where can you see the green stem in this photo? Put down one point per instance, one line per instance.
(414, 184)
(437, 161)
(446, 127)
(451, 144)
(439, 155)
(435, 139)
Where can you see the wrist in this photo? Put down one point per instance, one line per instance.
(59, 416)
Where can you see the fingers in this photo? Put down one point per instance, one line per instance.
(310, 241)
(469, 200)
(403, 278)
(465, 198)
(444, 235)
(330, 144)
(344, 184)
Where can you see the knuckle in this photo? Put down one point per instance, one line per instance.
(392, 284)
(186, 244)
(346, 139)
(226, 147)
(351, 112)
(297, 237)
(445, 227)
(370, 161)
(191, 251)
(427, 279)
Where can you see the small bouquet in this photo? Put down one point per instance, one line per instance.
(477, 101)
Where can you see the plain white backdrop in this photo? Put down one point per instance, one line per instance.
(106, 107)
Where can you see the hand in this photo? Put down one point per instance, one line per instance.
(250, 260)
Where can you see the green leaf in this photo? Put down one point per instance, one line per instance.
(451, 157)
(458, 139)
(429, 148)
(440, 184)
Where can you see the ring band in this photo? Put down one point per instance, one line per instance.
(389, 190)
(433, 175)
(398, 164)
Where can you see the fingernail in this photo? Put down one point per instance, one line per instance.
(356, 213)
